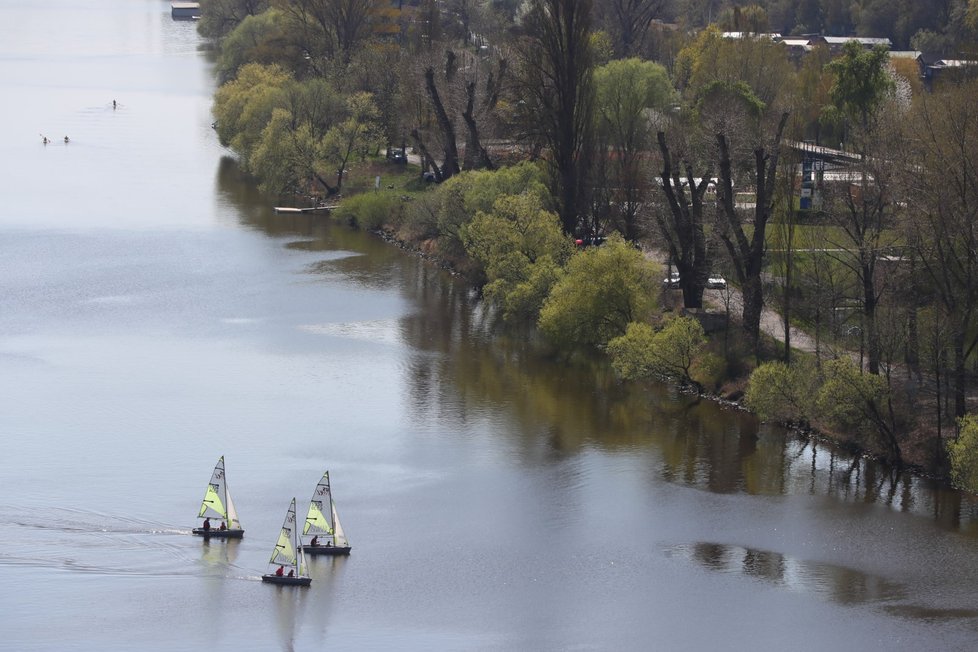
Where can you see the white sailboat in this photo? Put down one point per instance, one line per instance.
(323, 534)
(287, 563)
(217, 504)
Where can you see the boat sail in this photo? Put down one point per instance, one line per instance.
(217, 504)
(323, 534)
(287, 563)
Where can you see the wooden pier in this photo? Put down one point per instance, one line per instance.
(324, 208)
(185, 10)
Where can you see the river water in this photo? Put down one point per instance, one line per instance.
(155, 314)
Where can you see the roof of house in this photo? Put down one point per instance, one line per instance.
(774, 36)
(863, 40)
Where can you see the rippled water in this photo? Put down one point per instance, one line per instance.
(155, 314)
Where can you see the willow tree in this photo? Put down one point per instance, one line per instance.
(603, 291)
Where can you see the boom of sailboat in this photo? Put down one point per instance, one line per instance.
(320, 534)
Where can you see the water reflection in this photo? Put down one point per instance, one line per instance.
(327, 574)
(289, 606)
(217, 554)
(838, 584)
(543, 411)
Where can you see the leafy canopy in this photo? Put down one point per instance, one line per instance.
(670, 352)
(522, 249)
(605, 289)
(963, 453)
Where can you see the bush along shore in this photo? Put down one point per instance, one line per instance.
(534, 155)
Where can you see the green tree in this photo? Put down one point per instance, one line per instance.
(243, 106)
(963, 454)
(462, 196)
(628, 91)
(605, 289)
(522, 250)
(851, 400)
(781, 392)
(670, 352)
(712, 61)
(861, 89)
(861, 83)
(358, 131)
(258, 39)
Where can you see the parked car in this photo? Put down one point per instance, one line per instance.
(397, 156)
(716, 282)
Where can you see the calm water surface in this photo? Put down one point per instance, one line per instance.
(156, 314)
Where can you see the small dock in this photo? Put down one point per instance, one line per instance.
(185, 10)
(325, 208)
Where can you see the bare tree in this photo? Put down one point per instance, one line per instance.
(747, 254)
(329, 29)
(682, 226)
(943, 221)
(629, 22)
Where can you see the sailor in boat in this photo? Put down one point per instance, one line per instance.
(315, 541)
(66, 140)
(280, 571)
(44, 139)
(223, 526)
(291, 573)
(207, 525)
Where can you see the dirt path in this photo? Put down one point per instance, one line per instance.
(771, 322)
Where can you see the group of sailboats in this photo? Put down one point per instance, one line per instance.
(321, 534)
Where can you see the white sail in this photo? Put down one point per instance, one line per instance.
(233, 522)
(215, 501)
(339, 538)
(286, 553)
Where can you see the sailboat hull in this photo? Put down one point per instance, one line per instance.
(272, 578)
(218, 534)
(326, 550)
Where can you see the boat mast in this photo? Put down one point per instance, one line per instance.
(329, 495)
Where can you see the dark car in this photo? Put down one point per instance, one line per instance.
(397, 156)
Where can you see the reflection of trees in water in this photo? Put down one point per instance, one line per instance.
(839, 584)
(551, 409)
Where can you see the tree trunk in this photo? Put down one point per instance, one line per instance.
(428, 161)
(476, 156)
(684, 233)
(449, 166)
(748, 255)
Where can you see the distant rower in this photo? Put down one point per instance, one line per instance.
(66, 140)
